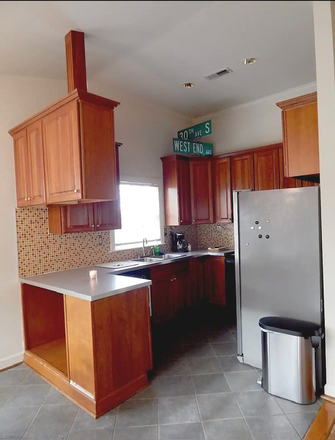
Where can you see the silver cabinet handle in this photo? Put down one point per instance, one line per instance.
(76, 190)
(98, 226)
(29, 198)
(25, 199)
(92, 226)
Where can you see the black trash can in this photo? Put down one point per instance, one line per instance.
(289, 364)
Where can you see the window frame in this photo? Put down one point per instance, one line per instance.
(142, 181)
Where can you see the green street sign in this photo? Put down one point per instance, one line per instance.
(196, 131)
(195, 148)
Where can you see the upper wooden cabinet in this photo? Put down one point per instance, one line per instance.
(75, 137)
(222, 189)
(176, 178)
(266, 168)
(242, 171)
(28, 154)
(87, 217)
(300, 136)
(201, 191)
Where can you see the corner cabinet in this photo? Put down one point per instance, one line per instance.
(300, 135)
(71, 144)
(176, 178)
(28, 155)
(201, 191)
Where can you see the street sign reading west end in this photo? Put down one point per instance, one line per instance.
(187, 147)
(196, 131)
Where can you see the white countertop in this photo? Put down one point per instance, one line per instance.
(77, 283)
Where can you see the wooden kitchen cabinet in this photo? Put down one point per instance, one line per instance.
(300, 136)
(222, 190)
(170, 290)
(201, 191)
(77, 154)
(242, 171)
(97, 353)
(29, 170)
(176, 179)
(215, 280)
(266, 168)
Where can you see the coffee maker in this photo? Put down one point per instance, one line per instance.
(179, 244)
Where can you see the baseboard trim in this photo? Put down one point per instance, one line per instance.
(10, 361)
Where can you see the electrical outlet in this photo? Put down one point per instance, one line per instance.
(218, 228)
(99, 240)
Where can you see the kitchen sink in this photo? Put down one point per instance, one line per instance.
(148, 259)
(155, 259)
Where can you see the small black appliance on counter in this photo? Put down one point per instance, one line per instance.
(179, 244)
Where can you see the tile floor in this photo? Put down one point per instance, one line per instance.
(198, 391)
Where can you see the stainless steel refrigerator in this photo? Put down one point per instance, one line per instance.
(278, 261)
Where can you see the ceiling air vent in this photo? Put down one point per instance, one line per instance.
(222, 72)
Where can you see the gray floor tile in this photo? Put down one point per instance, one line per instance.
(290, 407)
(185, 431)
(31, 395)
(218, 406)
(52, 423)
(137, 413)
(210, 383)
(174, 352)
(234, 334)
(139, 433)
(231, 363)
(198, 351)
(233, 429)
(220, 337)
(195, 338)
(150, 392)
(243, 381)
(204, 366)
(178, 410)
(57, 398)
(13, 377)
(5, 393)
(272, 428)
(34, 379)
(96, 434)
(174, 368)
(230, 348)
(257, 403)
(15, 421)
(175, 386)
(84, 421)
(302, 421)
(22, 366)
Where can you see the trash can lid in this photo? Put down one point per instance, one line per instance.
(290, 326)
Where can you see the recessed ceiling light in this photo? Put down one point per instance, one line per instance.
(248, 61)
(188, 85)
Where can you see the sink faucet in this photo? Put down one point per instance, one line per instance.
(144, 242)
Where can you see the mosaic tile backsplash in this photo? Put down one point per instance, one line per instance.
(40, 252)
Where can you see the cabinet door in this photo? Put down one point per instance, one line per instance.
(36, 162)
(222, 190)
(301, 144)
(176, 180)
(62, 154)
(266, 169)
(161, 295)
(78, 218)
(181, 292)
(286, 182)
(107, 215)
(242, 172)
(215, 280)
(201, 191)
(22, 171)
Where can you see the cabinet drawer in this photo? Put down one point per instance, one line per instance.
(180, 266)
(163, 271)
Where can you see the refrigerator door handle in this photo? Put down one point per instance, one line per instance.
(237, 276)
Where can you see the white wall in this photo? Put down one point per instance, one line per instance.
(19, 99)
(324, 28)
(146, 132)
(250, 125)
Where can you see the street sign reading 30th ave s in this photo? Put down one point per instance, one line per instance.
(189, 147)
(196, 131)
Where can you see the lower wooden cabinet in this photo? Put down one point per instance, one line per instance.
(170, 290)
(96, 352)
(215, 280)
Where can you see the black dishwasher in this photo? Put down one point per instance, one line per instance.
(230, 286)
(137, 273)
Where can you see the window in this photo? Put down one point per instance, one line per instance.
(141, 217)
